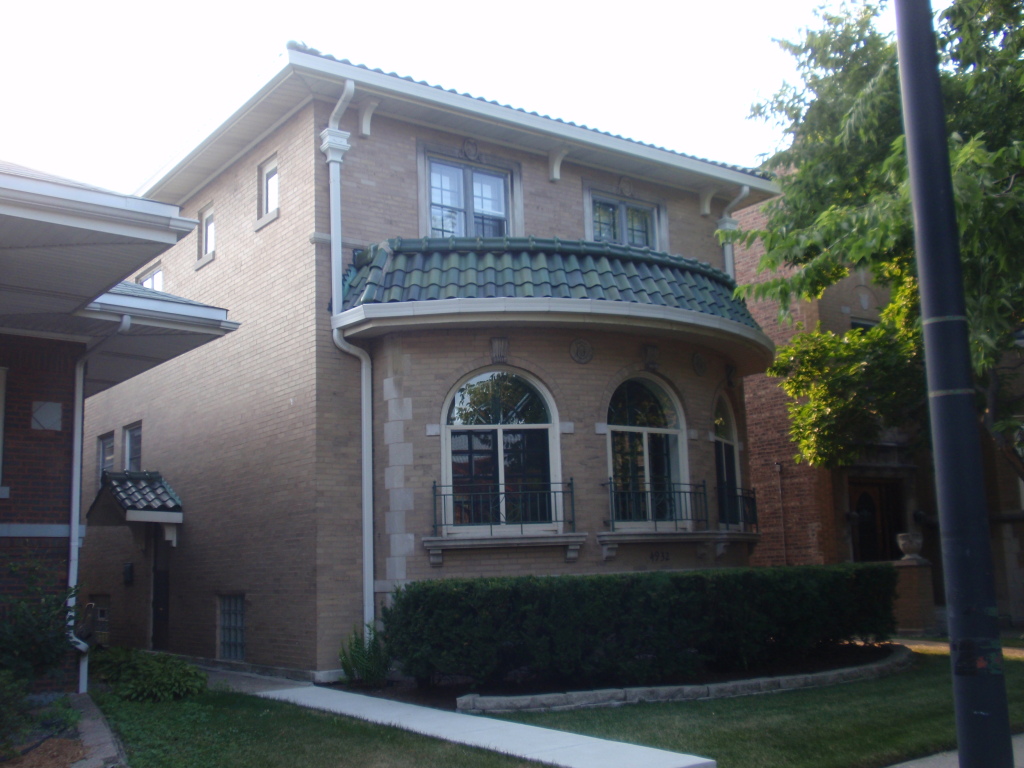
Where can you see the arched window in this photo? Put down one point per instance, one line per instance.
(732, 512)
(500, 445)
(647, 468)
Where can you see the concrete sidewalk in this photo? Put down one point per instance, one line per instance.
(949, 759)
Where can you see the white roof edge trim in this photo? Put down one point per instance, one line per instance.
(577, 308)
(157, 312)
(153, 221)
(525, 120)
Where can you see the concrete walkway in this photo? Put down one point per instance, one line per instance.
(557, 748)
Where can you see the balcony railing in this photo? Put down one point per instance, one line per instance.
(737, 509)
(515, 508)
(667, 506)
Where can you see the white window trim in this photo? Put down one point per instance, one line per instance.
(150, 276)
(264, 213)
(126, 444)
(510, 169)
(205, 256)
(554, 460)
(5, 492)
(659, 224)
(682, 459)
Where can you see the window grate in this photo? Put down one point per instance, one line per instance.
(232, 627)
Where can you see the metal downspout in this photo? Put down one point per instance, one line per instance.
(77, 438)
(334, 145)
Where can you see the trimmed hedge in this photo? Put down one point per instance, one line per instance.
(633, 629)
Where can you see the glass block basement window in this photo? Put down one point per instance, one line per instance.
(232, 627)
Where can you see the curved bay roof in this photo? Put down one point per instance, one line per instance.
(416, 283)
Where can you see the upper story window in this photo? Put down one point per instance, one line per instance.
(104, 455)
(500, 445)
(153, 279)
(133, 448)
(622, 222)
(647, 469)
(467, 201)
(207, 236)
(736, 508)
(269, 195)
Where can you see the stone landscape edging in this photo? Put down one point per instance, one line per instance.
(475, 704)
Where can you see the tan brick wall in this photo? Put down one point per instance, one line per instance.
(259, 434)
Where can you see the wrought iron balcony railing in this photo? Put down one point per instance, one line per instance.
(737, 509)
(514, 508)
(668, 506)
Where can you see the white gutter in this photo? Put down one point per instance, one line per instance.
(335, 144)
(727, 222)
(77, 438)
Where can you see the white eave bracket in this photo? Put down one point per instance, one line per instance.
(555, 158)
(366, 110)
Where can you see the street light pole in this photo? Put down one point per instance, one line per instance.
(979, 687)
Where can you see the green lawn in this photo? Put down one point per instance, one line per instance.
(232, 730)
(856, 725)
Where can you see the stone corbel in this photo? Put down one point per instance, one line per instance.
(555, 158)
(572, 552)
(609, 549)
(706, 195)
(436, 557)
(366, 110)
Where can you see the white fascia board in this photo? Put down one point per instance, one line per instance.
(147, 516)
(92, 209)
(497, 113)
(168, 314)
(625, 315)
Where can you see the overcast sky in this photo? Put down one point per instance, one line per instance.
(109, 93)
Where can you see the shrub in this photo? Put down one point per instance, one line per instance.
(364, 658)
(14, 709)
(140, 676)
(633, 629)
(34, 622)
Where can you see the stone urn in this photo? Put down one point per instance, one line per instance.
(910, 545)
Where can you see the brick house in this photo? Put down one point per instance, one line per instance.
(465, 350)
(70, 329)
(810, 515)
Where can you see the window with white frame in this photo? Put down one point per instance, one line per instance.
(647, 466)
(269, 188)
(133, 448)
(207, 235)
(104, 455)
(502, 466)
(153, 279)
(467, 201)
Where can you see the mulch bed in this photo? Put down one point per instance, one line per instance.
(443, 695)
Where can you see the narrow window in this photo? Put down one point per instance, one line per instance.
(133, 448)
(269, 188)
(232, 627)
(104, 455)
(207, 236)
(735, 504)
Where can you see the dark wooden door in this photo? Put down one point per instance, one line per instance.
(875, 519)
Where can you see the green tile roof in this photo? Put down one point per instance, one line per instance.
(432, 269)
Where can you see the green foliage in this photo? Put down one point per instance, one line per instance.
(136, 675)
(364, 658)
(34, 622)
(632, 629)
(846, 206)
(14, 708)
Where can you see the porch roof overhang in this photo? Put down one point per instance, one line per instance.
(309, 75)
(65, 247)
(137, 497)
(408, 285)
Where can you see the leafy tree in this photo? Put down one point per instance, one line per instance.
(846, 206)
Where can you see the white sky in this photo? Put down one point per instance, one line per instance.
(109, 92)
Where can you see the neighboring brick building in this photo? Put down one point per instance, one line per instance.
(440, 370)
(68, 329)
(808, 515)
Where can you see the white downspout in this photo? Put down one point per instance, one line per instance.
(334, 145)
(727, 222)
(77, 438)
